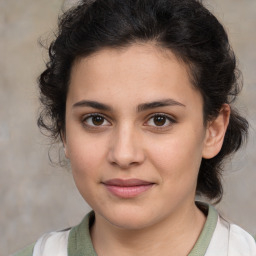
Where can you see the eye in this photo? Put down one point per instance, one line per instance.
(160, 120)
(95, 120)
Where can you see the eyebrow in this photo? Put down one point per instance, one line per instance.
(140, 108)
(92, 104)
(157, 104)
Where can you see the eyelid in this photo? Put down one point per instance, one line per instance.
(85, 117)
(167, 116)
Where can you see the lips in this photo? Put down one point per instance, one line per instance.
(127, 188)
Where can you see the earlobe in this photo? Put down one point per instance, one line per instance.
(65, 151)
(215, 133)
(63, 139)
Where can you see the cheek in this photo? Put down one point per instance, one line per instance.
(85, 164)
(86, 156)
(178, 158)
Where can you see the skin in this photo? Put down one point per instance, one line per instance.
(126, 142)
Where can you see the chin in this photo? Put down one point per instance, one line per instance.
(130, 223)
(131, 218)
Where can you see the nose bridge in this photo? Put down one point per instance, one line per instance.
(125, 149)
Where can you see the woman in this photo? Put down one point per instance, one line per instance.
(140, 93)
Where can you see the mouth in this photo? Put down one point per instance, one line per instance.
(127, 188)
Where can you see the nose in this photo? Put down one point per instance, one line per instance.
(126, 148)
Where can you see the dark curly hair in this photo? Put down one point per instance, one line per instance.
(185, 27)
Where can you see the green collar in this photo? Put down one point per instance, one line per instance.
(79, 240)
(80, 243)
(205, 237)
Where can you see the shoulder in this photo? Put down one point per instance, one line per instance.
(52, 244)
(49, 244)
(241, 241)
(230, 239)
(221, 237)
(28, 251)
(70, 241)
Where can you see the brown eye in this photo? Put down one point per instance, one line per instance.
(95, 120)
(159, 120)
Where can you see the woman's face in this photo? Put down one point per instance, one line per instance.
(134, 134)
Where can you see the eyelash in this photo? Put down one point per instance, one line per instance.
(168, 118)
(86, 117)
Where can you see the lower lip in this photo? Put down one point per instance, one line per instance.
(128, 192)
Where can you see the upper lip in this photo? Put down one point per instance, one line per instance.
(126, 182)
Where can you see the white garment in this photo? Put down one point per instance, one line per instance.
(227, 240)
(52, 244)
(230, 240)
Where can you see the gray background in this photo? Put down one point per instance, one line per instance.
(35, 197)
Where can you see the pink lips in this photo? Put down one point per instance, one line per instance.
(127, 188)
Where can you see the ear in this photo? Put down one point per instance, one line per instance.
(215, 133)
(63, 139)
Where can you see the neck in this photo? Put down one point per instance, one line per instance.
(174, 235)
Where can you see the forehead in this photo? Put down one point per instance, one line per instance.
(147, 55)
(140, 70)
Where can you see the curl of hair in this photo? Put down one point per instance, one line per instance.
(185, 27)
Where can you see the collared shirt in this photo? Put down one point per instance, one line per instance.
(218, 238)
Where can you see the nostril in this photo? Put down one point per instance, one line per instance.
(124, 165)
(125, 161)
(124, 150)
